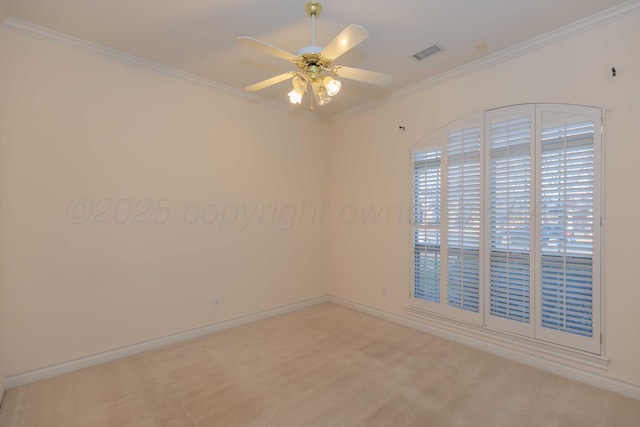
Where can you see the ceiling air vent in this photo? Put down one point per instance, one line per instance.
(431, 50)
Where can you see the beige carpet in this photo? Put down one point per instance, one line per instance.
(322, 366)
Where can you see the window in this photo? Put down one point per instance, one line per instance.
(426, 233)
(510, 152)
(507, 223)
(463, 218)
(568, 255)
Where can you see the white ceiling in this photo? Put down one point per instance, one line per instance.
(198, 36)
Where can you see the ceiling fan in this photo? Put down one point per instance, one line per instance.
(315, 64)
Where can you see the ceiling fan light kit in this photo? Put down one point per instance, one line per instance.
(315, 64)
(299, 88)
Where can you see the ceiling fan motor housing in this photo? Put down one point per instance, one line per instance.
(313, 50)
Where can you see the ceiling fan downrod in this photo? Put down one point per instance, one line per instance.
(313, 9)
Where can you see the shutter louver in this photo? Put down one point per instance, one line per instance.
(567, 217)
(426, 234)
(510, 217)
(463, 218)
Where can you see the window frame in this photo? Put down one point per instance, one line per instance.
(426, 227)
(593, 344)
(438, 140)
(533, 332)
(433, 142)
(524, 329)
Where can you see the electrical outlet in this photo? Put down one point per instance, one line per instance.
(215, 301)
(384, 292)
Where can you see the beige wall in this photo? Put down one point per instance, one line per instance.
(3, 10)
(3, 15)
(82, 133)
(370, 166)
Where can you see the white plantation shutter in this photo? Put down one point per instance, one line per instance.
(510, 142)
(507, 223)
(427, 177)
(463, 218)
(568, 254)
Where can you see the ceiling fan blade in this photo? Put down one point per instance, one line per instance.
(269, 82)
(366, 76)
(347, 39)
(266, 48)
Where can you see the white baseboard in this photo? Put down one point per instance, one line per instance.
(587, 377)
(581, 375)
(85, 362)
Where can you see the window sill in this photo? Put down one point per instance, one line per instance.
(499, 337)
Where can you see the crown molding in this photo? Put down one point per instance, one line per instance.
(546, 39)
(29, 29)
(531, 45)
(551, 37)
